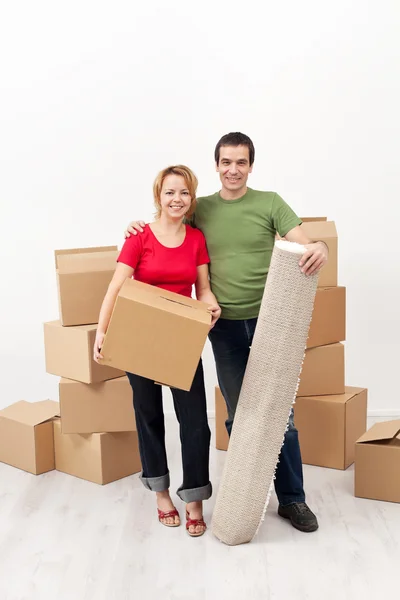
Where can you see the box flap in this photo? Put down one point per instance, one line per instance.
(31, 413)
(381, 432)
(81, 262)
(163, 299)
(349, 393)
(310, 219)
(319, 229)
(58, 253)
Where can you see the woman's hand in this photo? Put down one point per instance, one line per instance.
(98, 343)
(215, 311)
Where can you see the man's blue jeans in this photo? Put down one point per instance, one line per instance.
(231, 341)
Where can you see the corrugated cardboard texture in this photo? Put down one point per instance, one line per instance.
(26, 435)
(328, 323)
(98, 457)
(157, 334)
(221, 414)
(377, 463)
(329, 426)
(325, 231)
(96, 407)
(69, 353)
(323, 371)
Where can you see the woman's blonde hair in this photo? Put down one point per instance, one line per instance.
(190, 181)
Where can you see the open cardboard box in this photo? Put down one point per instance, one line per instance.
(377, 463)
(325, 231)
(83, 276)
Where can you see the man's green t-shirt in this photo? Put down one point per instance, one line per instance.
(240, 236)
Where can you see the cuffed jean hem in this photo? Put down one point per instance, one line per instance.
(155, 484)
(288, 501)
(195, 494)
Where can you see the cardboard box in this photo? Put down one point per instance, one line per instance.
(69, 353)
(157, 334)
(83, 275)
(26, 435)
(97, 457)
(377, 463)
(329, 427)
(96, 407)
(221, 414)
(325, 231)
(323, 371)
(328, 323)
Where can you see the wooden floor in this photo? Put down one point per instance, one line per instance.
(66, 539)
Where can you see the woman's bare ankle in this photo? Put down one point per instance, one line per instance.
(165, 504)
(195, 509)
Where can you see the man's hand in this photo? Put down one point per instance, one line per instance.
(215, 311)
(134, 228)
(97, 346)
(315, 257)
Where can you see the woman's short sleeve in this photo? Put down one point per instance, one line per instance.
(131, 251)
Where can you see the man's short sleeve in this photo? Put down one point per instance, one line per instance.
(131, 251)
(202, 253)
(283, 217)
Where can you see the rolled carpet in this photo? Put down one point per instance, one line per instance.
(268, 392)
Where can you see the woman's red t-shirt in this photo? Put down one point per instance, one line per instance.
(173, 269)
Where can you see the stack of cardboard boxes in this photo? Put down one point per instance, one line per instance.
(329, 415)
(95, 438)
(91, 432)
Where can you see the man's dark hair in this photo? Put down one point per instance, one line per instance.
(235, 139)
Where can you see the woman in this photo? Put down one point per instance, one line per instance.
(173, 256)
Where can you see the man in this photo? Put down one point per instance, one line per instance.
(240, 225)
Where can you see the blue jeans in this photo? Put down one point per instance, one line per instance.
(191, 411)
(231, 341)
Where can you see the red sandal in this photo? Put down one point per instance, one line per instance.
(166, 515)
(195, 522)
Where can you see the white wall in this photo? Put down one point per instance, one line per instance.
(96, 97)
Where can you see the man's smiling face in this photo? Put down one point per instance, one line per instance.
(234, 168)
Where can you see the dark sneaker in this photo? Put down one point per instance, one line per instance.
(300, 516)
